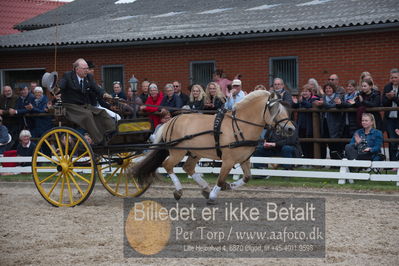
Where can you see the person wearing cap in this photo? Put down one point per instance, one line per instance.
(77, 90)
(236, 94)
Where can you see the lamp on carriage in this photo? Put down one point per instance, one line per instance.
(133, 85)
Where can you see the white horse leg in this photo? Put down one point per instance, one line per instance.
(173, 159)
(246, 168)
(214, 193)
(179, 189)
(189, 168)
(203, 184)
(221, 183)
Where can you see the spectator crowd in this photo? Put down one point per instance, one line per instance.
(365, 129)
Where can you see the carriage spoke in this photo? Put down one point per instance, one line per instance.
(74, 148)
(52, 150)
(82, 167)
(126, 181)
(69, 188)
(76, 184)
(111, 175)
(66, 143)
(80, 156)
(59, 145)
(117, 183)
(135, 183)
(108, 166)
(46, 167)
(48, 158)
(81, 177)
(54, 185)
(47, 178)
(62, 189)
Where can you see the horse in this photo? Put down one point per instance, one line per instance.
(194, 134)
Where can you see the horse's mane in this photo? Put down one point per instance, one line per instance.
(250, 97)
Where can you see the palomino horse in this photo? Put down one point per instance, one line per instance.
(193, 134)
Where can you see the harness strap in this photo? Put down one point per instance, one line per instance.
(216, 130)
(234, 122)
(177, 141)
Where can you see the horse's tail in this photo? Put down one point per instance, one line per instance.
(145, 170)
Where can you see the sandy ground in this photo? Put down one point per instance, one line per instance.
(361, 229)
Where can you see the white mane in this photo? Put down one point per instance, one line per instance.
(250, 97)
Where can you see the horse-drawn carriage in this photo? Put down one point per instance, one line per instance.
(65, 165)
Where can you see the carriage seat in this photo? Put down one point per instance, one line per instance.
(130, 131)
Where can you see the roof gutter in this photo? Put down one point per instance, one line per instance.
(222, 38)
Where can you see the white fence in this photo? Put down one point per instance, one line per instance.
(342, 172)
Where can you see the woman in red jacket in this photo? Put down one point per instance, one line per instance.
(155, 98)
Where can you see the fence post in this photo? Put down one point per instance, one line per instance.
(316, 134)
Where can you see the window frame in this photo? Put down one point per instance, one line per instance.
(191, 78)
(3, 70)
(271, 78)
(103, 67)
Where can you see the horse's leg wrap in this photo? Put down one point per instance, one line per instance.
(238, 183)
(200, 181)
(175, 181)
(214, 193)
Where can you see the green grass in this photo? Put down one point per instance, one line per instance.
(271, 182)
(276, 181)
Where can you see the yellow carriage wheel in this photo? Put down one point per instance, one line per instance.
(63, 167)
(115, 177)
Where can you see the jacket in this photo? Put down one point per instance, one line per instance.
(333, 119)
(305, 120)
(157, 101)
(71, 92)
(374, 139)
(388, 102)
(175, 102)
(369, 100)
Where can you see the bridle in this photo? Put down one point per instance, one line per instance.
(277, 125)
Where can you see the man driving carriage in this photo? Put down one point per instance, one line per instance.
(78, 93)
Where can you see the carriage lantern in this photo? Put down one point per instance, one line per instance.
(133, 83)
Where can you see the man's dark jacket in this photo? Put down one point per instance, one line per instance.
(71, 91)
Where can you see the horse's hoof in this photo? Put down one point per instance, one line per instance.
(226, 186)
(211, 202)
(177, 194)
(205, 192)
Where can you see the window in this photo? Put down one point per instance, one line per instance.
(201, 72)
(285, 68)
(110, 74)
(18, 77)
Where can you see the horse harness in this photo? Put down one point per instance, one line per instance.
(220, 114)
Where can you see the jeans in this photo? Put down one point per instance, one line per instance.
(352, 153)
(286, 151)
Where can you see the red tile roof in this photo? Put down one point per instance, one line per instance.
(13, 12)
